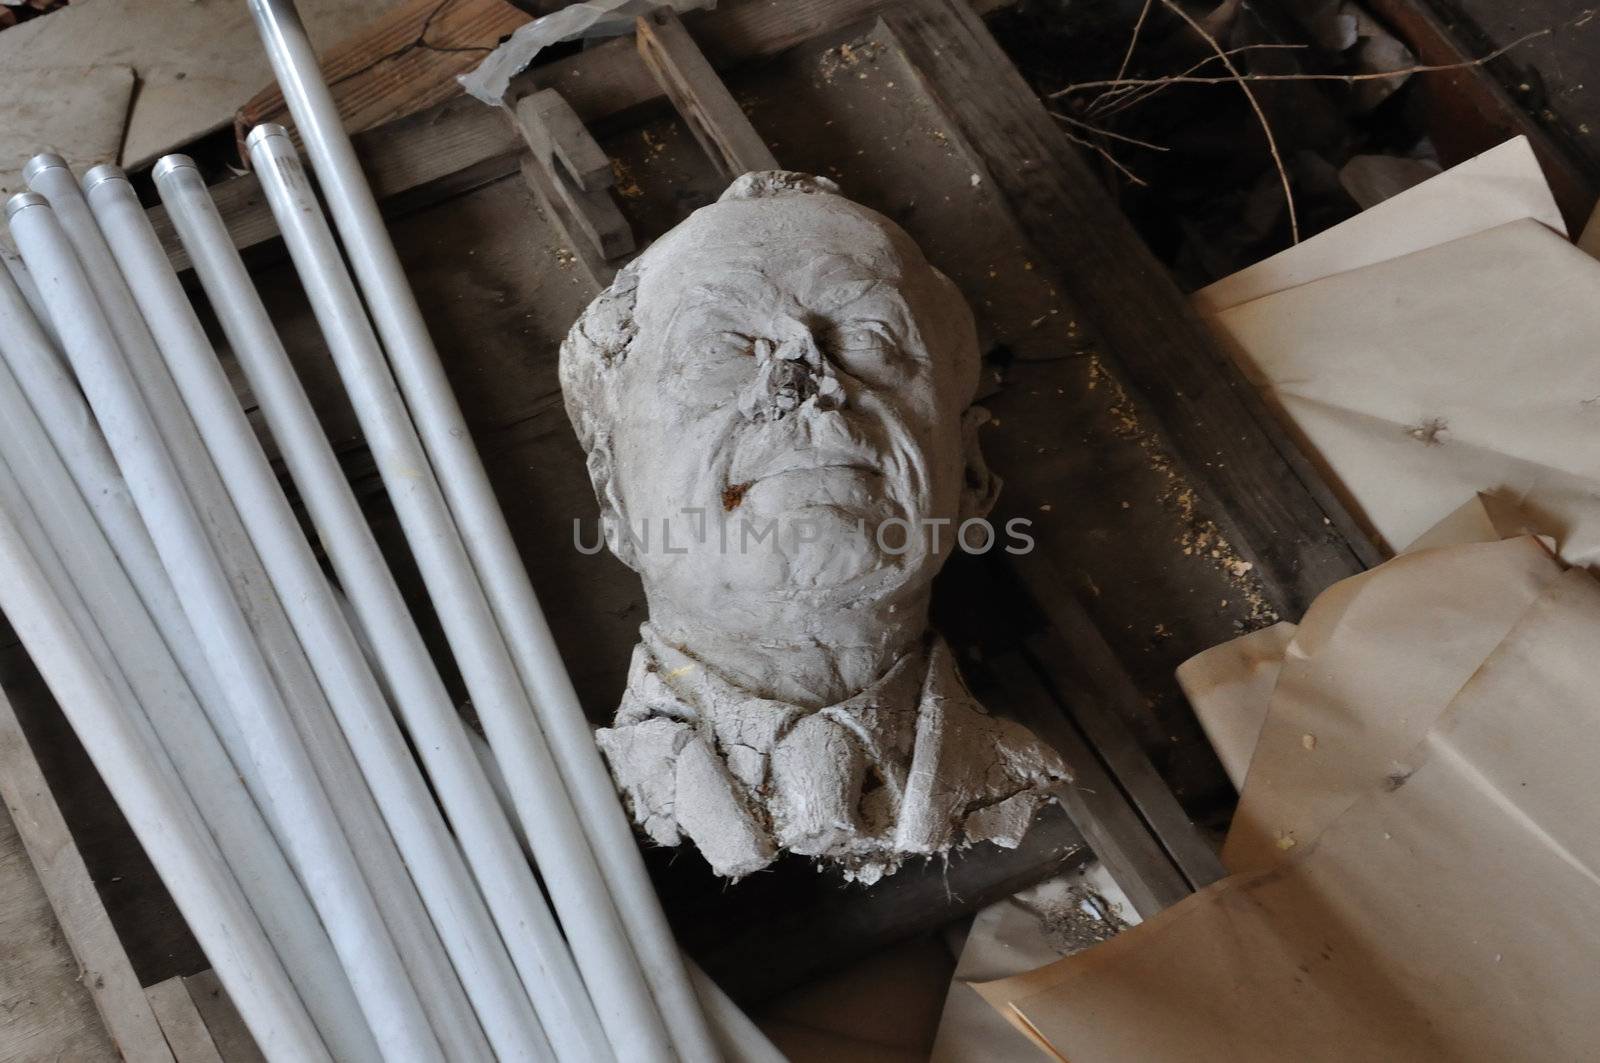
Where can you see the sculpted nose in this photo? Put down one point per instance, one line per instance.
(791, 375)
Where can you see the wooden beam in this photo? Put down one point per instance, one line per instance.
(1251, 477)
(702, 100)
(1098, 695)
(106, 972)
(572, 179)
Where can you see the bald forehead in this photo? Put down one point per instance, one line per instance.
(809, 241)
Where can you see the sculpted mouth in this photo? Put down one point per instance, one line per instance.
(796, 464)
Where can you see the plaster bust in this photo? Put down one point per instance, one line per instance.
(776, 403)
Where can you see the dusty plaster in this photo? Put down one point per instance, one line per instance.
(785, 366)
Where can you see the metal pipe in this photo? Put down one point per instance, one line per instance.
(477, 512)
(24, 283)
(445, 1004)
(210, 901)
(181, 729)
(577, 888)
(447, 889)
(739, 1038)
(315, 844)
(441, 738)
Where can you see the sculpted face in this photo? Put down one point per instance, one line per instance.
(797, 375)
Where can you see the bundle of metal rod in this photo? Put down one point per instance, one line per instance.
(577, 888)
(474, 515)
(205, 892)
(135, 653)
(445, 1006)
(307, 827)
(447, 888)
(441, 738)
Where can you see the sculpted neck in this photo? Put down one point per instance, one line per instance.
(811, 659)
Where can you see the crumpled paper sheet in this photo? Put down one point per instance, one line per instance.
(490, 79)
(1435, 346)
(1503, 184)
(1230, 685)
(1423, 379)
(1451, 910)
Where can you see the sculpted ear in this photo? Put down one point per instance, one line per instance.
(613, 519)
(979, 487)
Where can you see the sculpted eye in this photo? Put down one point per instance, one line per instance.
(728, 345)
(867, 336)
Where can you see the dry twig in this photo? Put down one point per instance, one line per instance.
(1088, 127)
(1106, 155)
(1114, 100)
(1255, 105)
(1424, 68)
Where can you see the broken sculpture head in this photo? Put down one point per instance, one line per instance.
(776, 403)
(770, 397)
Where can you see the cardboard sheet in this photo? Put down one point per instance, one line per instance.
(1502, 185)
(1465, 367)
(1452, 912)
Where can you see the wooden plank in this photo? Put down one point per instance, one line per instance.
(228, 1032)
(1093, 688)
(704, 102)
(45, 1011)
(1251, 477)
(560, 214)
(1097, 807)
(554, 131)
(105, 970)
(401, 63)
(186, 1031)
(574, 177)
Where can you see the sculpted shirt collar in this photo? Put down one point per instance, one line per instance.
(912, 765)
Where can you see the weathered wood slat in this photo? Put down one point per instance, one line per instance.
(227, 1029)
(704, 102)
(575, 176)
(106, 972)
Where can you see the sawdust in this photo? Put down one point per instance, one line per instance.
(847, 57)
(1200, 537)
(627, 185)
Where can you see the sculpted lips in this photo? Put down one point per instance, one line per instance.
(749, 471)
(803, 460)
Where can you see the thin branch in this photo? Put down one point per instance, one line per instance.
(1081, 124)
(1133, 41)
(1113, 101)
(1255, 105)
(1425, 68)
(1106, 155)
